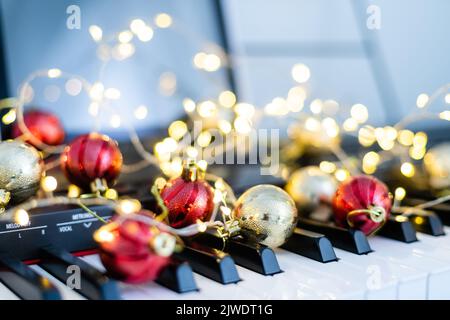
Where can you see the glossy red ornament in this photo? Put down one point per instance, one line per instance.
(362, 202)
(188, 200)
(43, 125)
(90, 157)
(127, 253)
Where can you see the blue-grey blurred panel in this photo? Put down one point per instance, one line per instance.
(271, 77)
(36, 37)
(268, 37)
(415, 37)
(293, 20)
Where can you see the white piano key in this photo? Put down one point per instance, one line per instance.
(431, 249)
(66, 292)
(333, 278)
(6, 294)
(293, 285)
(298, 283)
(254, 286)
(148, 291)
(441, 251)
(407, 270)
(154, 291)
(411, 282)
(208, 289)
(130, 292)
(443, 241)
(420, 256)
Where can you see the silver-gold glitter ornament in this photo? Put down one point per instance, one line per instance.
(310, 186)
(21, 170)
(266, 214)
(437, 164)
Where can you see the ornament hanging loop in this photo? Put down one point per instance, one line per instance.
(164, 244)
(375, 213)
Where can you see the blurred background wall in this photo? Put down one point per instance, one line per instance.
(384, 69)
(36, 37)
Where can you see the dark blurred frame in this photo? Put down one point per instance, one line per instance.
(4, 88)
(6, 91)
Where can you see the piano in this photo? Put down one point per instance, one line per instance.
(409, 259)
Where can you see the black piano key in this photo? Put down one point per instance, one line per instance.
(350, 240)
(178, 277)
(429, 224)
(422, 194)
(400, 229)
(426, 222)
(211, 263)
(311, 245)
(442, 210)
(253, 256)
(93, 284)
(24, 281)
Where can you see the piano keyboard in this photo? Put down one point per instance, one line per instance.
(393, 270)
(408, 259)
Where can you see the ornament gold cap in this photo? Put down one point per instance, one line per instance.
(191, 171)
(233, 228)
(99, 185)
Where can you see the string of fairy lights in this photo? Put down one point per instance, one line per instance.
(319, 123)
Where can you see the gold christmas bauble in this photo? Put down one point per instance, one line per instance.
(21, 170)
(437, 164)
(266, 214)
(310, 186)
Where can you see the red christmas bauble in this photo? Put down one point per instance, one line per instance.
(362, 202)
(188, 201)
(43, 125)
(90, 157)
(128, 255)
